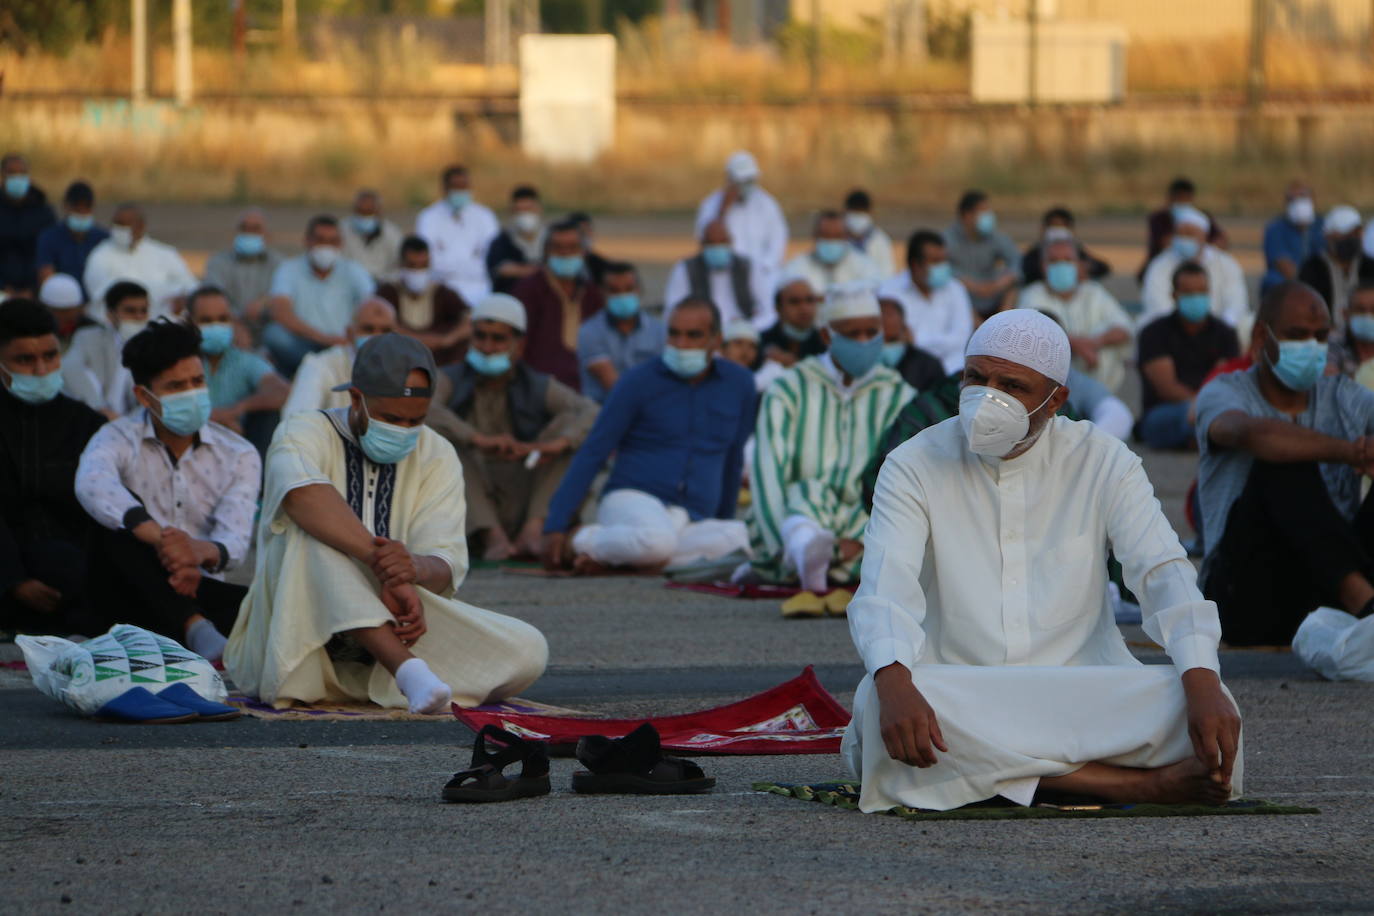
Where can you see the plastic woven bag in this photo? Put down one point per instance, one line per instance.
(85, 676)
(1336, 645)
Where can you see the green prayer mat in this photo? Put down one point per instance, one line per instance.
(476, 563)
(846, 795)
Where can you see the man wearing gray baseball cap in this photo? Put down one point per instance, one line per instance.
(360, 550)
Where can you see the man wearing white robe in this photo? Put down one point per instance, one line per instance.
(361, 547)
(994, 664)
(757, 226)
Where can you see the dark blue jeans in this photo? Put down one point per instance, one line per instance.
(1167, 426)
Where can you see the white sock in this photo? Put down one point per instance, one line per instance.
(426, 693)
(808, 548)
(203, 639)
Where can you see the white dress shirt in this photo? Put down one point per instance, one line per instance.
(319, 373)
(1225, 284)
(758, 230)
(941, 323)
(93, 371)
(722, 290)
(458, 243)
(1090, 311)
(211, 492)
(153, 265)
(852, 268)
(981, 561)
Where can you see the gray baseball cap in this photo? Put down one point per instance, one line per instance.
(383, 363)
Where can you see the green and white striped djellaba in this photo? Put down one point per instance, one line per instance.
(812, 443)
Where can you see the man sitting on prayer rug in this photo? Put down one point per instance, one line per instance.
(994, 665)
(360, 550)
(818, 427)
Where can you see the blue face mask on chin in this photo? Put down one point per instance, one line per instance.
(623, 305)
(385, 443)
(36, 389)
(565, 267)
(1300, 363)
(185, 412)
(489, 364)
(856, 357)
(685, 363)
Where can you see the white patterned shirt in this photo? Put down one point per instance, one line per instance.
(211, 493)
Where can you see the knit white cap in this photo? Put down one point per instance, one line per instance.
(61, 291)
(741, 166)
(1186, 215)
(503, 308)
(1027, 338)
(851, 300)
(1341, 220)
(739, 329)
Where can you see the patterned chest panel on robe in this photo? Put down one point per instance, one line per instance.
(374, 505)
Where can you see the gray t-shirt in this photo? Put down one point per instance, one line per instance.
(1337, 407)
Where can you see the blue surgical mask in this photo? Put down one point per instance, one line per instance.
(490, 364)
(893, 353)
(458, 199)
(216, 338)
(685, 363)
(939, 275)
(1185, 247)
(249, 244)
(831, 251)
(16, 185)
(385, 443)
(185, 412)
(855, 357)
(360, 340)
(1061, 276)
(623, 305)
(80, 222)
(1194, 307)
(365, 225)
(1300, 363)
(1362, 327)
(986, 223)
(565, 266)
(797, 334)
(717, 257)
(36, 389)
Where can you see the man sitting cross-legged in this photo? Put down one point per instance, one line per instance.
(994, 665)
(677, 426)
(359, 552)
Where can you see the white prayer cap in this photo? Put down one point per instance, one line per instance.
(1341, 220)
(788, 277)
(739, 329)
(1185, 215)
(1056, 234)
(741, 166)
(850, 300)
(61, 291)
(503, 308)
(1027, 338)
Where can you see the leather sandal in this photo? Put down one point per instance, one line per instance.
(484, 781)
(635, 765)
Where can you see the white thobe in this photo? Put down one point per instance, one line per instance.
(877, 247)
(758, 230)
(458, 243)
(941, 322)
(155, 266)
(987, 579)
(722, 290)
(1090, 311)
(319, 374)
(852, 268)
(1225, 284)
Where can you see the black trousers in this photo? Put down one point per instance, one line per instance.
(1285, 550)
(129, 585)
(60, 565)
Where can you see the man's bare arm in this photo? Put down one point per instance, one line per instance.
(1281, 442)
(322, 513)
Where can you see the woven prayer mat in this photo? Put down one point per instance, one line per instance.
(845, 795)
(329, 712)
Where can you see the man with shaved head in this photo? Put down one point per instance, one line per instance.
(244, 270)
(320, 373)
(1284, 446)
(995, 667)
(717, 272)
(131, 254)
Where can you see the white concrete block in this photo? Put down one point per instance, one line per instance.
(567, 96)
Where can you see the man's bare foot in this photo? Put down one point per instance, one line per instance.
(583, 565)
(1188, 782)
(530, 541)
(498, 548)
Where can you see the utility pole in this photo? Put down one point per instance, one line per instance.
(181, 45)
(1032, 53)
(138, 15)
(1254, 77)
(240, 30)
(815, 48)
(288, 24)
(497, 36)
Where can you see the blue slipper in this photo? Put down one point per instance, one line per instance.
(138, 705)
(182, 695)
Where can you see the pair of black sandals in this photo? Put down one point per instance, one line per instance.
(632, 765)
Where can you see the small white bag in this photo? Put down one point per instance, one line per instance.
(85, 676)
(1337, 645)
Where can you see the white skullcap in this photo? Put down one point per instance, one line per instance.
(503, 308)
(1185, 215)
(1027, 338)
(741, 166)
(1341, 220)
(788, 277)
(1057, 234)
(739, 329)
(61, 291)
(850, 301)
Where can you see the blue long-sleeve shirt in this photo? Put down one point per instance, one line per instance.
(680, 442)
(1283, 239)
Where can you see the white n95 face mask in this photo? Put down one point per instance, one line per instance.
(993, 421)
